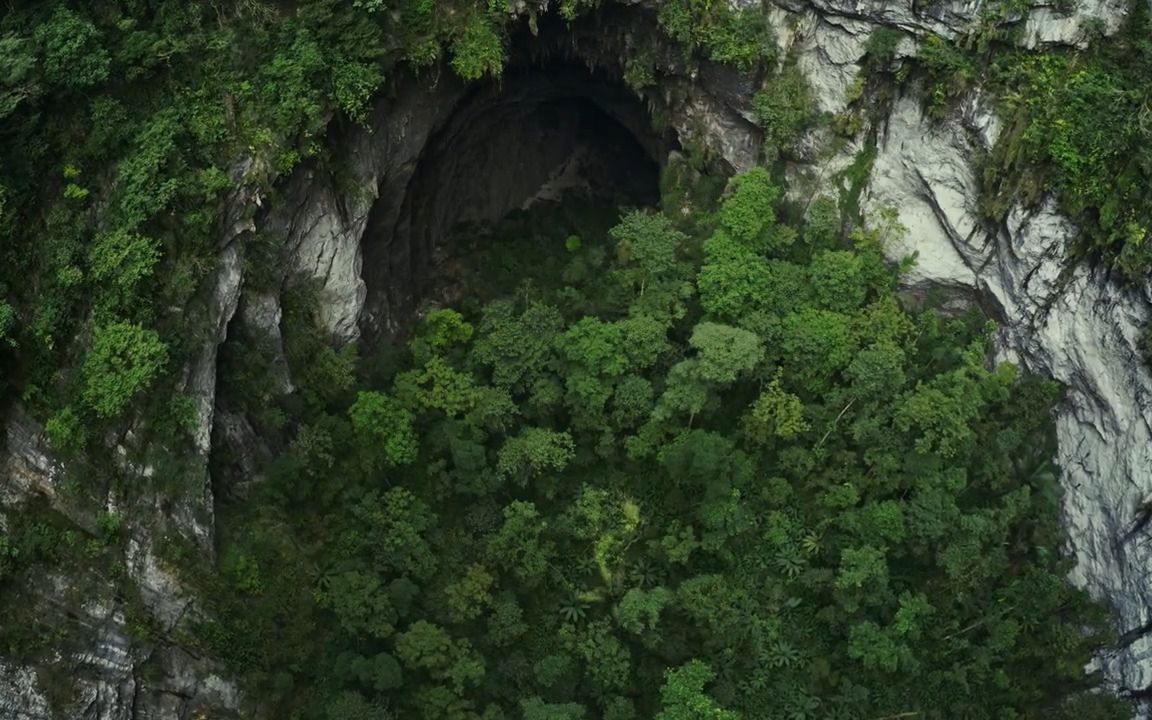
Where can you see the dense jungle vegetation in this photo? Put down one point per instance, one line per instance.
(696, 469)
(696, 461)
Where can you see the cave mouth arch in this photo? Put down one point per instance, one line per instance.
(548, 127)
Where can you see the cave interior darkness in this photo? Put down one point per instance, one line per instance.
(547, 128)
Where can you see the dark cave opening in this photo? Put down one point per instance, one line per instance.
(549, 129)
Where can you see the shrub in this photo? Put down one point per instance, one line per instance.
(124, 361)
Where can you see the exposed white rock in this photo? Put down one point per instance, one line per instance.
(722, 131)
(944, 19)
(829, 52)
(193, 515)
(28, 465)
(830, 35)
(324, 244)
(160, 590)
(20, 695)
(224, 296)
(923, 172)
(1047, 25)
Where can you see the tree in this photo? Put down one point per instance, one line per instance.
(381, 671)
(877, 371)
(706, 460)
(516, 347)
(610, 521)
(639, 609)
(596, 346)
(505, 622)
(748, 213)
(520, 545)
(74, 57)
(124, 361)
(478, 49)
(468, 597)
(877, 649)
(838, 280)
(733, 278)
(685, 392)
(390, 529)
(632, 400)
(425, 646)
(817, 345)
(782, 107)
(607, 661)
(437, 386)
(534, 708)
(650, 241)
(384, 429)
(682, 697)
(776, 413)
(725, 353)
(348, 705)
(644, 339)
(442, 330)
(120, 262)
(533, 452)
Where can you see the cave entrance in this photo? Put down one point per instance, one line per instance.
(549, 130)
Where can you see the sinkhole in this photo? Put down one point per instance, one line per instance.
(552, 127)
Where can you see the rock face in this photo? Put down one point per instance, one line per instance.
(101, 670)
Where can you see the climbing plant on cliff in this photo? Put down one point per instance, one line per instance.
(691, 466)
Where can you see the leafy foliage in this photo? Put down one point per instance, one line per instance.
(783, 108)
(124, 361)
(738, 35)
(675, 475)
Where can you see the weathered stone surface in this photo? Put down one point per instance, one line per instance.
(1074, 25)
(324, 245)
(27, 466)
(261, 313)
(20, 695)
